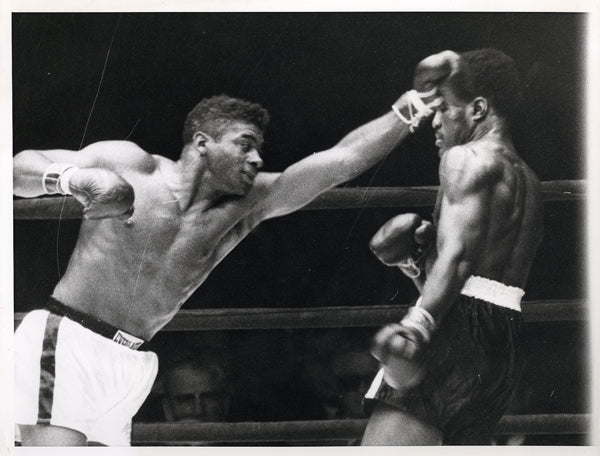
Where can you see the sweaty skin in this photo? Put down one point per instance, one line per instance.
(189, 214)
(489, 223)
(491, 183)
(488, 213)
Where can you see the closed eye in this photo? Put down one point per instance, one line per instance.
(246, 146)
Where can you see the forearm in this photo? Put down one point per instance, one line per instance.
(419, 282)
(371, 142)
(445, 280)
(28, 169)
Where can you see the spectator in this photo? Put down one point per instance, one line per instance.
(196, 389)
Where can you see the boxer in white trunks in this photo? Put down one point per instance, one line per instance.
(153, 230)
(449, 367)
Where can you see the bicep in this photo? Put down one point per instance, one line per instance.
(302, 182)
(105, 154)
(80, 158)
(467, 182)
(463, 224)
(30, 165)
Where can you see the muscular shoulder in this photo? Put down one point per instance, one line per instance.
(468, 168)
(121, 154)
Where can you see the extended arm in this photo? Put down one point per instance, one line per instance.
(360, 149)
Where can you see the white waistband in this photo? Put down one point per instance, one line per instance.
(493, 292)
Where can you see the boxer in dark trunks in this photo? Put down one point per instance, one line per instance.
(449, 367)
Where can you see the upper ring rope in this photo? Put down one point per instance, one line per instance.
(49, 208)
(339, 317)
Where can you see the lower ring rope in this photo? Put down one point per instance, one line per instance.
(350, 429)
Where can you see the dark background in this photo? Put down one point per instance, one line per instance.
(319, 75)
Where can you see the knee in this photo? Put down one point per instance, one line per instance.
(391, 426)
(48, 435)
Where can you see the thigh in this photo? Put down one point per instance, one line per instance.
(48, 435)
(391, 426)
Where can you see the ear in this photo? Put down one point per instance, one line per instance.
(480, 108)
(199, 141)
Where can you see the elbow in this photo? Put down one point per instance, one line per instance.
(464, 270)
(460, 262)
(22, 165)
(19, 161)
(378, 248)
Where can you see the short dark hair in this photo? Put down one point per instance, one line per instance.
(212, 115)
(489, 73)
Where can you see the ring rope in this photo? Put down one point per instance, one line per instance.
(349, 429)
(48, 208)
(339, 317)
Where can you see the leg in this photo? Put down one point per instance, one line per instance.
(48, 435)
(390, 426)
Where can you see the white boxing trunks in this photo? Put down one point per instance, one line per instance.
(67, 375)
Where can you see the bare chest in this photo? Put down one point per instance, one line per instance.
(180, 245)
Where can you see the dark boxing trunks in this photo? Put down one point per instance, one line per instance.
(472, 366)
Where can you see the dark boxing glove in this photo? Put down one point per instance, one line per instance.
(435, 69)
(402, 242)
(418, 104)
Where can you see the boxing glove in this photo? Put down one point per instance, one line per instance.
(400, 348)
(433, 70)
(103, 193)
(420, 103)
(402, 242)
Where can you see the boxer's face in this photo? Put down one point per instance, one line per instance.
(451, 122)
(234, 159)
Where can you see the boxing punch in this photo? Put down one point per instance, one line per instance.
(420, 103)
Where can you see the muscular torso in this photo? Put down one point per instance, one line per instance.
(515, 227)
(137, 275)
